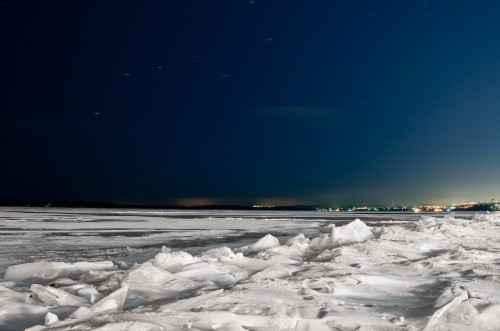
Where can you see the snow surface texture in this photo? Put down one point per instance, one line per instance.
(434, 273)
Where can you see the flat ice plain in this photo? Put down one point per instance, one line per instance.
(103, 269)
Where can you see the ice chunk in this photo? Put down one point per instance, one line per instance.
(464, 314)
(491, 316)
(47, 271)
(80, 313)
(327, 229)
(54, 296)
(426, 224)
(354, 232)
(19, 310)
(296, 251)
(122, 265)
(263, 243)
(97, 276)
(152, 283)
(218, 273)
(453, 298)
(251, 265)
(447, 296)
(112, 283)
(231, 273)
(492, 218)
(276, 271)
(173, 260)
(112, 303)
(328, 255)
(82, 290)
(9, 295)
(198, 271)
(50, 318)
(90, 293)
(219, 253)
(63, 282)
(321, 243)
(300, 238)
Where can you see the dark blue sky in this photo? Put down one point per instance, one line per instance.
(274, 102)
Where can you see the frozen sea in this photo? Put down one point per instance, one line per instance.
(70, 235)
(114, 269)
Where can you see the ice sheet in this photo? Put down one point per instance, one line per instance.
(437, 272)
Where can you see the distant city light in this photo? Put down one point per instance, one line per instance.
(491, 205)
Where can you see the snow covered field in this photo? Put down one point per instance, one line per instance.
(84, 269)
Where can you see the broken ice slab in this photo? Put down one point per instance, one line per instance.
(354, 232)
(263, 243)
(46, 271)
(153, 283)
(54, 296)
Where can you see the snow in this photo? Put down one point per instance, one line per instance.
(310, 272)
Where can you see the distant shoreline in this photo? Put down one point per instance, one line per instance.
(73, 204)
(110, 205)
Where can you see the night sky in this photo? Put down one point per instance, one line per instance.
(250, 102)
